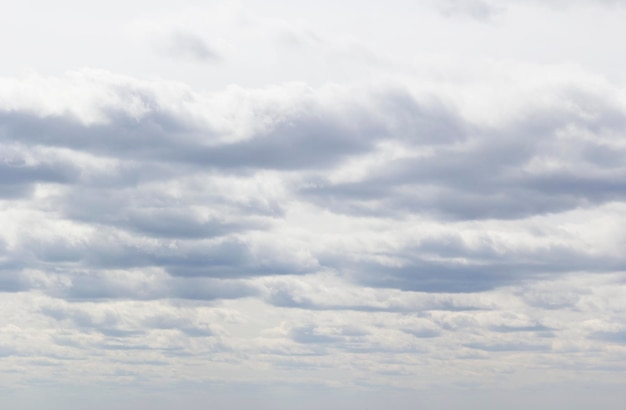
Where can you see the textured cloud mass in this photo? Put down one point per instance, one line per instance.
(320, 218)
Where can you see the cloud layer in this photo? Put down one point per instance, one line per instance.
(371, 224)
(359, 221)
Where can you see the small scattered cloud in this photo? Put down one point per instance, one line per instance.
(188, 46)
(476, 9)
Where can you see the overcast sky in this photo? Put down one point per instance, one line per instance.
(283, 205)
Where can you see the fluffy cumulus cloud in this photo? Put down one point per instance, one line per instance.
(437, 229)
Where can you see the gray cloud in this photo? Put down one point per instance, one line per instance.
(463, 172)
(229, 258)
(113, 325)
(309, 137)
(12, 281)
(18, 178)
(423, 333)
(482, 10)
(284, 295)
(123, 137)
(491, 176)
(617, 337)
(188, 46)
(16, 173)
(109, 286)
(154, 218)
(478, 9)
(449, 265)
(533, 328)
(310, 335)
(509, 347)
(294, 216)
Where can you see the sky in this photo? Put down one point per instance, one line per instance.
(299, 205)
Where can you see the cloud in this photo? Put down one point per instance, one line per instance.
(309, 335)
(18, 178)
(360, 235)
(256, 205)
(486, 10)
(513, 347)
(514, 171)
(478, 9)
(180, 36)
(617, 337)
(111, 323)
(308, 135)
(162, 188)
(188, 46)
